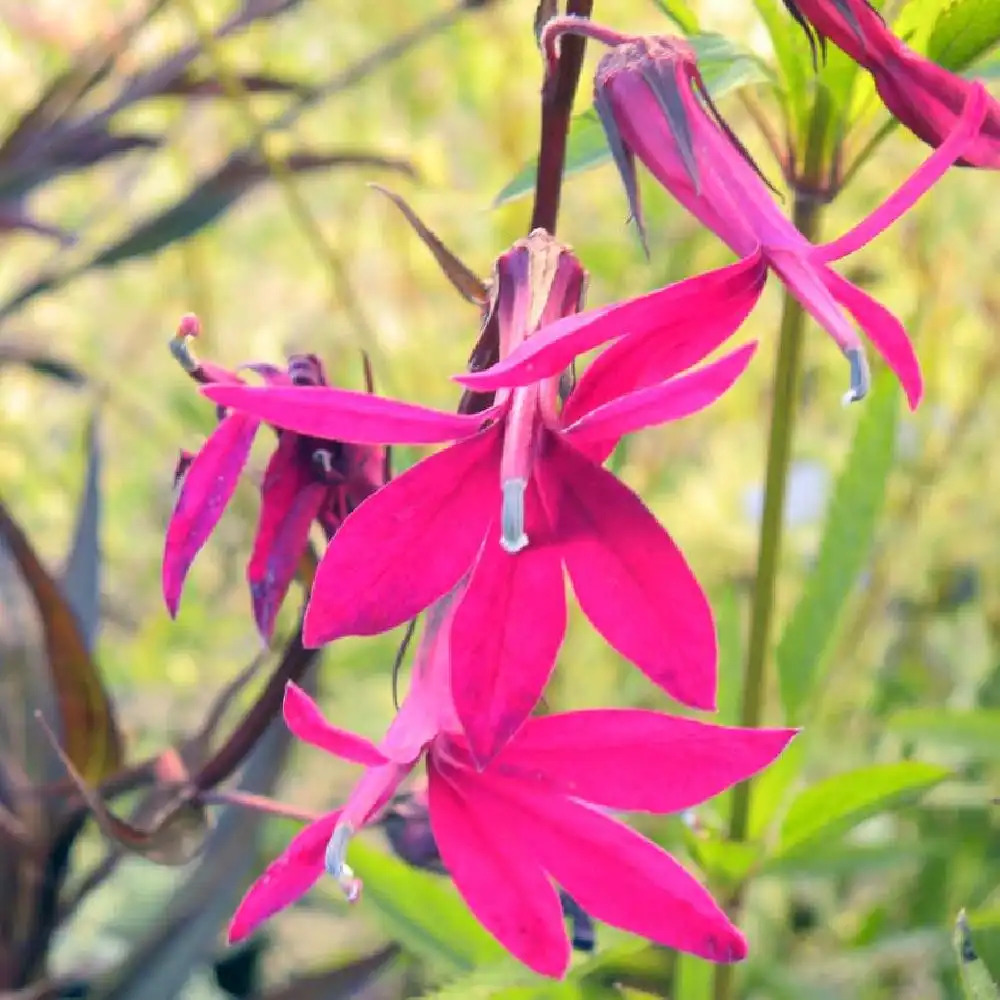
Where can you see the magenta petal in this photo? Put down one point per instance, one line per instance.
(290, 500)
(504, 886)
(630, 579)
(406, 544)
(289, 876)
(304, 719)
(618, 876)
(959, 139)
(506, 634)
(208, 484)
(646, 359)
(636, 759)
(372, 793)
(664, 313)
(598, 431)
(344, 415)
(883, 330)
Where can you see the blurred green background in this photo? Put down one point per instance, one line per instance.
(913, 667)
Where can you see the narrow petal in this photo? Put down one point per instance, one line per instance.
(645, 359)
(304, 719)
(293, 873)
(598, 431)
(919, 182)
(635, 759)
(665, 312)
(208, 484)
(290, 500)
(504, 886)
(618, 876)
(630, 579)
(883, 330)
(407, 544)
(344, 415)
(506, 634)
(372, 793)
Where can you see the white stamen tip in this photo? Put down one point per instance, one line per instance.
(860, 376)
(336, 849)
(512, 536)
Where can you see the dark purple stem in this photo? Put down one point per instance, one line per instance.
(557, 106)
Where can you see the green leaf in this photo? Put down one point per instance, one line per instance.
(976, 981)
(725, 66)
(975, 733)
(794, 59)
(835, 805)
(964, 31)
(694, 978)
(681, 13)
(847, 538)
(423, 911)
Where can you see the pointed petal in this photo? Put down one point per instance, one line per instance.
(208, 484)
(507, 631)
(919, 182)
(289, 876)
(598, 431)
(304, 719)
(618, 876)
(624, 160)
(406, 544)
(343, 415)
(883, 330)
(635, 759)
(630, 579)
(372, 793)
(645, 359)
(290, 500)
(505, 887)
(665, 311)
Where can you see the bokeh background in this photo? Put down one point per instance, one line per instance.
(913, 670)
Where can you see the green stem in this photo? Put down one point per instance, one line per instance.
(806, 213)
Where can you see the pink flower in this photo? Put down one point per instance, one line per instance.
(305, 481)
(521, 495)
(925, 97)
(535, 818)
(654, 106)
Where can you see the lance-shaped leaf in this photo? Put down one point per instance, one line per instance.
(81, 577)
(85, 712)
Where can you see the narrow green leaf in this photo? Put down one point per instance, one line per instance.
(835, 805)
(694, 978)
(360, 979)
(725, 66)
(964, 31)
(976, 981)
(847, 538)
(681, 13)
(975, 733)
(423, 911)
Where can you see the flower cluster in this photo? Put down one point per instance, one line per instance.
(479, 534)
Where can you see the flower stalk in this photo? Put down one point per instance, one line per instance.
(807, 216)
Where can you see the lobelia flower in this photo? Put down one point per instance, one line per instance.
(654, 106)
(927, 98)
(520, 495)
(305, 481)
(534, 817)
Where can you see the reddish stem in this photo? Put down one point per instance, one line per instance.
(557, 106)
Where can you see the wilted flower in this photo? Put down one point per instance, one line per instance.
(535, 816)
(306, 480)
(927, 98)
(417, 537)
(654, 106)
